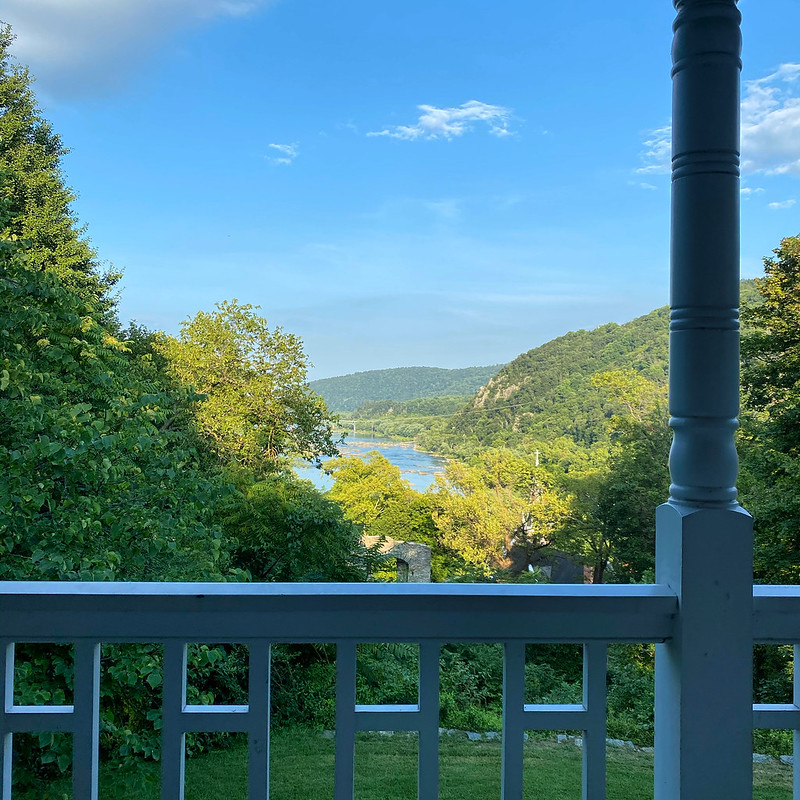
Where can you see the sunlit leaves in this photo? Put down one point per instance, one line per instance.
(257, 406)
(497, 505)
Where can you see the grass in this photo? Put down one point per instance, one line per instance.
(302, 768)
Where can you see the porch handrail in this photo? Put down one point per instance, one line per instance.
(56, 611)
(316, 612)
(259, 615)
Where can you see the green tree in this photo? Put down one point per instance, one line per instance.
(257, 406)
(613, 493)
(367, 487)
(91, 484)
(771, 346)
(495, 508)
(637, 476)
(770, 433)
(38, 204)
(287, 531)
(374, 495)
(583, 534)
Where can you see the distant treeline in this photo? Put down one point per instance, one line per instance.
(349, 392)
(443, 406)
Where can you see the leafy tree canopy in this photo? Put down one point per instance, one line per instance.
(374, 495)
(770, 434)
(771, 348)
(287, 531)
(367, 487)
(37, 201)
(257, 407)
(91, 485)
(636, 480)
(497, 503)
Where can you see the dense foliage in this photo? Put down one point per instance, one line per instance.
(91, 484)
(258, 408)
(349, 392)
(498, 511)
(287, 531)
(374, 496)
(636, 475)
(770, 440)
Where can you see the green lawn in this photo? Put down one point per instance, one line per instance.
(302, 768)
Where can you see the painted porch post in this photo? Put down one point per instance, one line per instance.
(704, 538)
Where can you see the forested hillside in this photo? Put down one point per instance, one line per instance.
(552, 391)
(548, 392)
(349, 392)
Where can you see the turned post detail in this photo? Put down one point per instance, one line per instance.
(704, 546)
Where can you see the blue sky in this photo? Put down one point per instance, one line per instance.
(425, 182)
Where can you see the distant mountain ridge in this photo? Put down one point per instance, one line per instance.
(349, 392)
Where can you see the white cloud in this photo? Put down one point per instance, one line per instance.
(288, 153)
(770, 128)
(79, 47)
(747, 191)
(447, 123)
(771, 123)
(783, 204)
(657, 154)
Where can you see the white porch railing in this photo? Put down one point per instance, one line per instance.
(88, 615)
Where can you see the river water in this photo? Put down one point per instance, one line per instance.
(417, 467)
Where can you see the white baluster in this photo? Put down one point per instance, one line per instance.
(345, 720)
(173, 748)
(428, 780)
(6, 701)
(86, 721)
(796, 731)
(258, 718)
(594, 734)
(513, 719)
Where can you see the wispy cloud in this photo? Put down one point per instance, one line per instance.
(448, 123)
(88, 46)
(782, 204)
(656, 155)
(420, 212)
(770, 128)
(747, 190)
(288, 153)
(447, 209)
